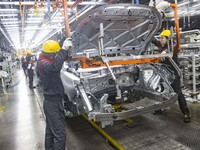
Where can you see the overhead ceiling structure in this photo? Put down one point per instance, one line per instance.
(189, 13)
(27, 24)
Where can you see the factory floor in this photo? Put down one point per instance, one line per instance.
(22, 126)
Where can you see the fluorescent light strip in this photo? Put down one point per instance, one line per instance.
(57, 20)
(12, 25)
(45, 3)
(32, 26)
(182, 4)
(14, 22)
(8, 15)
(195, 5)
(36, 15)
(40, 9)
(34, 18)
(59, 17)
(33, 21)
(14, 33)
(8, 10)
(13, 28)
(9, 19)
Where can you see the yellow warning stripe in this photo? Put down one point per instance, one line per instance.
(102, 132)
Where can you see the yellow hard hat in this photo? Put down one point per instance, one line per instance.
(28, 52)
(166, 33)
(50, 46)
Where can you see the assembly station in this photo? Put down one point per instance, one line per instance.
(99, 74)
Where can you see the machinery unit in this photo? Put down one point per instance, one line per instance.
(190, 63)
(190, 67)
(110, 66)
(9, 66)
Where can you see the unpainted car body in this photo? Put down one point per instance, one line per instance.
(116, 35)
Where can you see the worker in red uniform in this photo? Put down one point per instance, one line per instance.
(163, 48)
(49, 65)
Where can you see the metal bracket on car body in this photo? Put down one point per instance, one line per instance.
(104, 106)
(133, 112)
(101, 52)
(134, 57)
(175, 66)
(86, 100)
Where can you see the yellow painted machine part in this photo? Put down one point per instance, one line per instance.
(108, 137)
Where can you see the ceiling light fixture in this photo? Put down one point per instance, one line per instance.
(13, 22)
(8, 15)
(195, 5)
(6, 10)
(34, 18)
(11, 25)
(40, 9)
(9, 19)
(33, 21)
(36, 15)
(182, 4)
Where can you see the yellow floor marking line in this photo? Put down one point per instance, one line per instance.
(2, 108)
(118, 109)
(128, 120)
(197, 104)
(102, 132)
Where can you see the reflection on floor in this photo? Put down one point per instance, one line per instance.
(22, 126)
(22, 122)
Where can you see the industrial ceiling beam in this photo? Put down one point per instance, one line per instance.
(3, 32)
(52, 3)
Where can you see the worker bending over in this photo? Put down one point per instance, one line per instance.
(163, 48)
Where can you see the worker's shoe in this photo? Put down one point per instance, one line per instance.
(32, 87)
(187, 118)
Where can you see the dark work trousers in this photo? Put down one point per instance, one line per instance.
(55, 135)
(30, 76)
(181, 98)
(24, 69)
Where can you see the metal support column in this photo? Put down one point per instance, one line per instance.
(67, 29)
(194, 77)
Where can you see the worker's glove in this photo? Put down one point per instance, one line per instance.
(67, 44)
(162, 6)
(163, 52)
(163, 58)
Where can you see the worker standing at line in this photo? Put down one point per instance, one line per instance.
(176, 85)
(24, 65)
(30, 60)
(49, 65)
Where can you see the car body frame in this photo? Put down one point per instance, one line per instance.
(113, 75)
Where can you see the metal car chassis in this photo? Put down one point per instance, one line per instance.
(92, 55)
